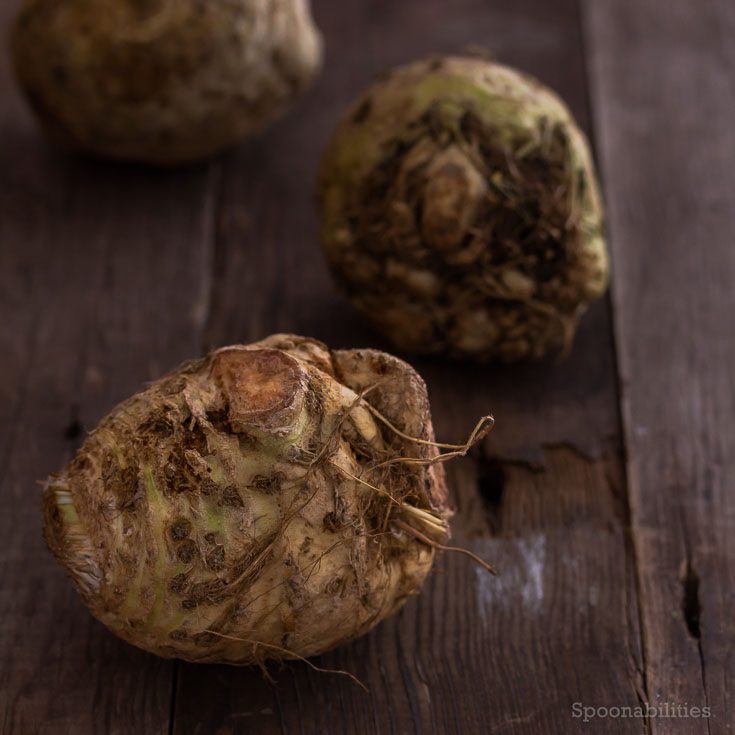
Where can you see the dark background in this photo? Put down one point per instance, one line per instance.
(604, 495)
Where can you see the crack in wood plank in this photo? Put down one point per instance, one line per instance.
(668, 167)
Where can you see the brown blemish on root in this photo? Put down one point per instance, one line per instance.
(216, 558)
(362, 112)
(331, 522)
(178, 584)
(268, 484)
(259, 386)
(186, 551)
(232, 498)
(180, 529)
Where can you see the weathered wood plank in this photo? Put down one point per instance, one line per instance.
(545, 500)
(101, 271)
(665, 101)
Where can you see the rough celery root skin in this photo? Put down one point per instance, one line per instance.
(217, 516)
(162, 81)
(461, 213)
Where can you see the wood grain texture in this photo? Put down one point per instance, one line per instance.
(101, 272)
(545, 499)
(665, 100)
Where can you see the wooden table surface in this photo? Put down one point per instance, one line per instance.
(605, 495)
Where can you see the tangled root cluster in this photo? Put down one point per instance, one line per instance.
(267, 501)
(162, 81)
(461, 213)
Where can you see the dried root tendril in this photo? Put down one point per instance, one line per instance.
(456, 549)
(483, 426)
(290, 654)
(436, 524)
(377, 489)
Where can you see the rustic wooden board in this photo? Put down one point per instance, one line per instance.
(546, 499)
(665, 103)
(110, 275)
